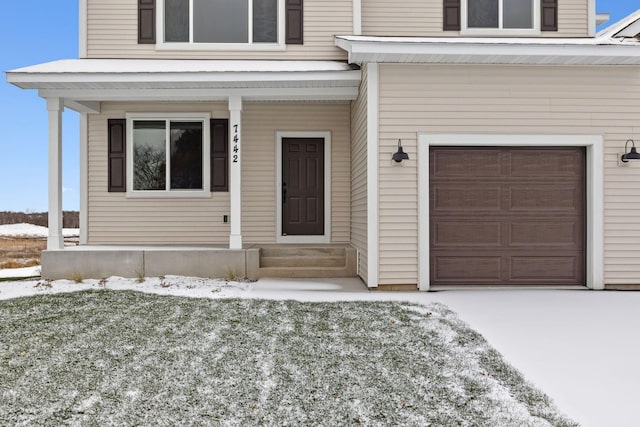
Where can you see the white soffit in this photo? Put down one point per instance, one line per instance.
(601, 50)
(105, 79)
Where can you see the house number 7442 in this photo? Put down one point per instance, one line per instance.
(236, 144)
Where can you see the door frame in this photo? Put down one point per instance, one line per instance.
(594, 191)
(319, 239)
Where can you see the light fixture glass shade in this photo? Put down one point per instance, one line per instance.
(632, 154)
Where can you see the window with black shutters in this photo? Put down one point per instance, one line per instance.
(155, 154)
(500, 17)
(220, 22)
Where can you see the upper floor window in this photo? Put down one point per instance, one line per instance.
(518, 17)
(222, 22)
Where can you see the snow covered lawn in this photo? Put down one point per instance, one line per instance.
(105, 357)
(30, 230)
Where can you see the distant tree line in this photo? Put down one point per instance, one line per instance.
(70, 219)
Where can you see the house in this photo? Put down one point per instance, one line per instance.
(244, 138)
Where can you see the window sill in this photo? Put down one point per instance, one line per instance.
(256, 47)
(168, 194)
(494, 32)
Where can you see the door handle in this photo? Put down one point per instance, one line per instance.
(284, 192)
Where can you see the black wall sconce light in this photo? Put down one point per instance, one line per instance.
(400, 155)
(630, 155)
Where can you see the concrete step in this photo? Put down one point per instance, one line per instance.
(309, 251)
(303, 261)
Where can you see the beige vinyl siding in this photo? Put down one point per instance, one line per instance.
(115, 219)
(112, 32)
(507, 100)
(260, 123)
(423, 18)
(359, 176)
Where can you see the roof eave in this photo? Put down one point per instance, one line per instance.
(456, 52)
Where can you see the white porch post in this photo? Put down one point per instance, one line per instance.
(55, 107)
(235, 168)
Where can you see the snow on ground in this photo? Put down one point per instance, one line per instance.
(17, 273)
(30, 230)
(579, 347)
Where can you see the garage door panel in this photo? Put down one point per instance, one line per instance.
(472, 232)
(463, 198)
(460, 162)
(546, 198)
(550, 233)
(533, 163)
(460, 269)
(536, 268)
(525, 226)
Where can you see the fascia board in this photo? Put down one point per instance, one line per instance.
(23, 78)
(589, 54)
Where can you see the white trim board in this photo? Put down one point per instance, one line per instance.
(594, 191)
(373, 155)
(326, 237)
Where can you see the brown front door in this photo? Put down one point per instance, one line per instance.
(302, 186)
(507, 216)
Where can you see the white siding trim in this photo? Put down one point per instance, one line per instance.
(82, 29)
(84, 180)
(595, 196)
(372, 174)
(326, 238)
(591, 24)
(357, 17)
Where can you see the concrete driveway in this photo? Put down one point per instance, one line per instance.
(580, 347)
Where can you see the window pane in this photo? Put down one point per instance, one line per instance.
(482, 13)
(221, 21)
(518, 14)
(149, 157)
(176, 20)
(265, 21)
(186, 155)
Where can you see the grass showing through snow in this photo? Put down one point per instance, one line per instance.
(127, 358)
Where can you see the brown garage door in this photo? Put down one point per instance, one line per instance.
(507, 216)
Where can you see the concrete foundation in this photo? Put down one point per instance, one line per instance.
(79, 264)
(96, 263)
(91, 262)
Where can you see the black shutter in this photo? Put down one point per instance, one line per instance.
(146, 21)
(295, 22)
(549, 15)
(451, 19)
(117, 156)
(219, 155)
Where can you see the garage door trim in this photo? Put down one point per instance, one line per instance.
(594, 190)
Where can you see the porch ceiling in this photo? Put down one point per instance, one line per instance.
(97, 80)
